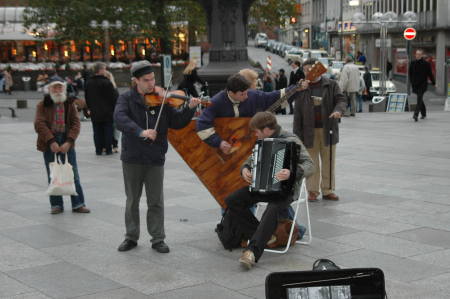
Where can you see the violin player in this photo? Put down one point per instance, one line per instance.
(144, 145)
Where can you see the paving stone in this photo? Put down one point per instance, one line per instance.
(438, 258)
(62, 280)
(41, 236)
(370, 224)
(396, 268)
(122, 293)
(10, 287)
(15, 255)
(426, 235)
(33, 295)
(385, 244)
(324, 230)
(206, 290)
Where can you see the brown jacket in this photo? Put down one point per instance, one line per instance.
(45, 112)
(332, 100)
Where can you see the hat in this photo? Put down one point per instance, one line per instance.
(140, 68)
(56, 80)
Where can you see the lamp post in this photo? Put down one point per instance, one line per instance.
(383, 21)
(106, 25)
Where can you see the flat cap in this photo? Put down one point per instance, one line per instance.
(140, 68)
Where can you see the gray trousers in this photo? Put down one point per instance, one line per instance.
(135, 177)
(352, 101)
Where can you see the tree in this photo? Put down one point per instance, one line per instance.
(70, 20)
(271, 13)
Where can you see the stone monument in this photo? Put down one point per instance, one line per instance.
(227, 33)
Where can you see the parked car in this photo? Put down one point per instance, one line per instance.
(335, 69)
(317, 54)
(376, 79)
(261, 40)
(270, 43)
(297, 54)
(286, 49)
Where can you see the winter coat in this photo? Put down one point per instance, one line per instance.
(349, 78)
(419, 72)
(332, 101)
(45, 113)
(132, 116)
(101, 97)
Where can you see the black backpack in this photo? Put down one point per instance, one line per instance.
(234, 228)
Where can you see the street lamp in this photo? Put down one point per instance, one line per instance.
(105, 25)
(383, 21)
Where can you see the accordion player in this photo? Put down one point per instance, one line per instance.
(270, 155)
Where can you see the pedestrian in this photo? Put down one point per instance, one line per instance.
(297, 74)
(349, 83)
(267, 82)
(362, 88)
(388, 70)
(2, 80)
(318, 106)
(58, 126)
(251, 76)
(116, 133)
(143, 153)
(419, 73)
(361, 58)
(368, 83)
(8, 83)
(191, 83)
(264, 125)
(101, 97)
(280, 83)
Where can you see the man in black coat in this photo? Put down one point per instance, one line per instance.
(280, 83)
(101, 97)
(419, 73)
(296, 75)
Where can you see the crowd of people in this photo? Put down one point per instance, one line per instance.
(316, 106)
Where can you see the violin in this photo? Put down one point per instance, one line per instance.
(175, 98)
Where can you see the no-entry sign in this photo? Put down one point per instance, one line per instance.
(409, 33)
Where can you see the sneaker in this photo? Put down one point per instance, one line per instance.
(312, 196)
(82, 210)
(161, 247)
(56, 210)
(247, 259)
(415, 118)
(115, 150)
(330, 196)
(127, 245)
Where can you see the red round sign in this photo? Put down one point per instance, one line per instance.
(409, 33)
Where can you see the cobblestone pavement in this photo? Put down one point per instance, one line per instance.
(394, 213)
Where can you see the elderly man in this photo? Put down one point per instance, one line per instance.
(57, 125)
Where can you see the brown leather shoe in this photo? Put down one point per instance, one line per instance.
(56, 210)
(312, 196)
(81, 210)
(330, 196)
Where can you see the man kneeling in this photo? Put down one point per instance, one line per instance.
(264, 125)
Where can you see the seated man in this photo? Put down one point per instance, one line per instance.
(264, 125)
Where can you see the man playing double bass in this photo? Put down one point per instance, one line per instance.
(143, 153)
(237, 100)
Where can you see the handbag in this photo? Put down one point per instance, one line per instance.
(61, 178)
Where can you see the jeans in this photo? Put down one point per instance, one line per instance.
(103, 136)
(360, 103)
(49, 156)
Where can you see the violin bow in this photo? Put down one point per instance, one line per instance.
(163, 101)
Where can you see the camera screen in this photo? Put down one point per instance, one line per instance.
(328, 292)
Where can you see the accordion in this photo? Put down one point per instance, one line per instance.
(269, 156)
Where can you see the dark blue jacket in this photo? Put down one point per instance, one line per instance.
(132, 116)
(222, 107)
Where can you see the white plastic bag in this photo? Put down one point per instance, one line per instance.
(61, 178)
